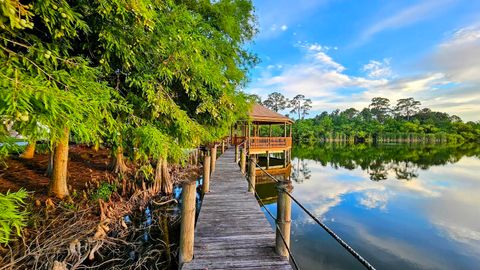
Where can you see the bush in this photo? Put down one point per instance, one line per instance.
(104, 191)
(12, 216)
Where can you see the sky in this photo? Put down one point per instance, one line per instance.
(342, 53)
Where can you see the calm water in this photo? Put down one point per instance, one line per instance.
(401, 207)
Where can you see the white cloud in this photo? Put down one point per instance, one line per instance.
(450, 85)
(459, 55)
(405, 17)
(378, 69)
(284, 27)
(317, 75)
(374, 199)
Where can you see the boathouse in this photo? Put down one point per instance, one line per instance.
(265, 133)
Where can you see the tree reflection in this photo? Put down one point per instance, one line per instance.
(403, 161)
(300, 171)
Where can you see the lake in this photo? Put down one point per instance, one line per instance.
(399, 206)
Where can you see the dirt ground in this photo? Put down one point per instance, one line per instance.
(84, 165)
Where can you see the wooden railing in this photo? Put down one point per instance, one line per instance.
(264, 142)
(269, 142)
(238, 140)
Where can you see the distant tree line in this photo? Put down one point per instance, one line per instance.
(381, 122)
(402, 161)
(299, 105)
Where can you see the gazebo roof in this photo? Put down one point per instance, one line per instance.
(262, 115)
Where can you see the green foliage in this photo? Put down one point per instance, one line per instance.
(104, 191)
(12, 216)
(276, 102)
(10, 145)
(149, 76)
(381, 124)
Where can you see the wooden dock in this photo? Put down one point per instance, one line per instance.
(232, 232)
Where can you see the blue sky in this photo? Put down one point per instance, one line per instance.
(342, 53)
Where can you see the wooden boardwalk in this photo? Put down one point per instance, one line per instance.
(232, 232)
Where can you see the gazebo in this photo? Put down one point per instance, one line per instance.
(265, 132)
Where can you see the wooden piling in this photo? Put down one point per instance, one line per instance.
(206, 174)
(237, 148)
(187, 226)
(251, 176)
(214, 158)
(223, 146)
(284, 212)
(243, 161)
(268, 160)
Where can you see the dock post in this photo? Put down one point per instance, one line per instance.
(243, 161)
(284, 211)
(214, 158)
(236, 153)
(187, 226)
(206, 174)
(223, 146)
(251, 175)
(268, 160)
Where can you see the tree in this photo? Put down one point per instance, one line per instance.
(96, 71)
(276, 102)
(300, 106)
(255, 98)
(380, 107)
(407, 107)
(45, 82)
(350, 113)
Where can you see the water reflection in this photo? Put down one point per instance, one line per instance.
(402, 159)
(400, 206)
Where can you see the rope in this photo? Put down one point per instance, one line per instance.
(355, 254)
(278, 228)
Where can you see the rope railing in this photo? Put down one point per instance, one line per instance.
(355, 254)
(290, 254)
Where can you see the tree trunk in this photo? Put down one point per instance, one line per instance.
(118, 161)
(157, 182)
(167, 185)
(58, 182)
(29, 151)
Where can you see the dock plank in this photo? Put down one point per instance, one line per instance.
(232, 232)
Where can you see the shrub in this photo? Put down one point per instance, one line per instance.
(104, 191)
(12, 216)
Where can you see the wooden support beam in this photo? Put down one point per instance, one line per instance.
(284, 212)
(214, 157)
(187, 226)
(237, 148)
(206, 174)
(243, 160)
(251, 176)
(268, 160)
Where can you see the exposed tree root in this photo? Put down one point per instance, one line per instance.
(86, 239)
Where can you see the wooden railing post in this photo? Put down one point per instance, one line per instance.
(251, 176)
(268, 160)
(243, 160)
(236, 153)
(206, 174)
(214, 157)
(284, 211)
(223, 146)
(187, 226)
